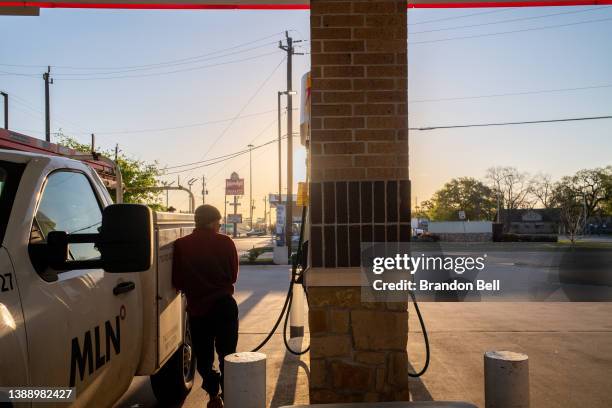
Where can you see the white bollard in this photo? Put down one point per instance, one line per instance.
(506, 379)
(245, 380)
(296, 316)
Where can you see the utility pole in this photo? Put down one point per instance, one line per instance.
(279, 146)
(5, 96)
(48, 80)
(235, 204)
(116, 151)
(289, 203)
(250, 146)
(204, 192)
(93, 143)
(296, 325)
(225, 202)
(265, 214)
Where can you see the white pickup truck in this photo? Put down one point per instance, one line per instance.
(86, 299)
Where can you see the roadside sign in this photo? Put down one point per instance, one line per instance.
(234, 218)
(462, 215)
(234, 185)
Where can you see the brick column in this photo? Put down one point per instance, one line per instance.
(360, 192)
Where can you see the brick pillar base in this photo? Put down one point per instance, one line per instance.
(359, 192)
(358, 350)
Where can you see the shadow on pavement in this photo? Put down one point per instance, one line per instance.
(286, 384)
(418, 391)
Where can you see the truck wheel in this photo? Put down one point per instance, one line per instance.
(174, 380)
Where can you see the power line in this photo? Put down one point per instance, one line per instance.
(232, 155)
(248, 102)
(153, 74)
(251, 142)
(511, 123)
(167, 65)
(144, 75)
(510, 32)
(462, 16)
(63, 121)
(192, 125)
(510, 94)
(147, 65)
(223, 156)
(508, 20)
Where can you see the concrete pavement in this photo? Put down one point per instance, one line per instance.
(569, 347)
(260, 294)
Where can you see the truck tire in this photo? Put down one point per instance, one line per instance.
(174, 380)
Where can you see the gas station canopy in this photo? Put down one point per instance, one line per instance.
(32, 7)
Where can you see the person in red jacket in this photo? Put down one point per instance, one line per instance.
(205, 268)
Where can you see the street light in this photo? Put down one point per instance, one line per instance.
(166, 184)
(250, 146)
(190, 183)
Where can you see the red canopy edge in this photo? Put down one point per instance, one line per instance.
(296, 6)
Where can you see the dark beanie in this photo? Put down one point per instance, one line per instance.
(205, 214)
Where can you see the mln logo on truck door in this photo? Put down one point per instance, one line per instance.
(97, 352)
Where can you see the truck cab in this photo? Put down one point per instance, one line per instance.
(82, 300)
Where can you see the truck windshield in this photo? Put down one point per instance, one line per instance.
(10, 174)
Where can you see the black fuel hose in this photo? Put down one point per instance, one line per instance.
(285, 311)
(425, 338)
(295, 260)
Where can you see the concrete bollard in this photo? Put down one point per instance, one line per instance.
(296, 316)
(245, 380)
(506, 379)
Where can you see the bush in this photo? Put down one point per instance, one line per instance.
(254, 253)
(529, 238)
(428, 237)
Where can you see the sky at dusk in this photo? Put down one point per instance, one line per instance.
(219, 93)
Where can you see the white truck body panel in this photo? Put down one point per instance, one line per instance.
(75, 331)
(163, 307)
(12, 327)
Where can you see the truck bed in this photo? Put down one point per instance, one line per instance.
(163, 307)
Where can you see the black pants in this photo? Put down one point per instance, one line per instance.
(216, 330)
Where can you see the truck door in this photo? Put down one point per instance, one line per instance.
(13, 345)
(83, 326)
(13, 350)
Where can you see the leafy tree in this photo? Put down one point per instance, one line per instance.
(585, 194)
(461, 194)
(593, 186)
(136, 174)
(606, 206)
(423, 210)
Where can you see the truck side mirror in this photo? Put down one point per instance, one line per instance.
(57, 249)
(126, 238)
(125, 242)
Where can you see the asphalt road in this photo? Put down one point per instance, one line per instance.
(246, 243)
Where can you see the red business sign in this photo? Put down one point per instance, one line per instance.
(234, 185)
